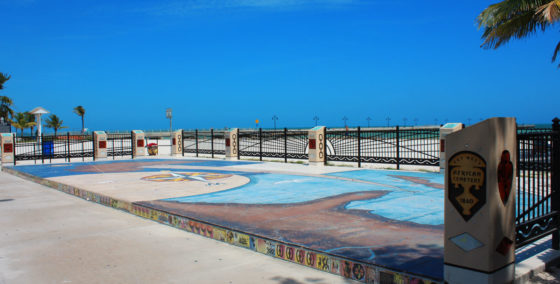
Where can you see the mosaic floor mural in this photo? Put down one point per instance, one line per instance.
(391, 219)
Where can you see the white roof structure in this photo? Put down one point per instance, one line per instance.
(39, 110)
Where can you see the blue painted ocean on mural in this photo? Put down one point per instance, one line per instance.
(82, 168)
(406, 200)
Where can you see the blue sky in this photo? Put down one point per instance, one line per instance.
(224, 63)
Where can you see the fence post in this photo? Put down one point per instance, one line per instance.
(212, 142)
(196, 141)
(52, 148)
(316, 146)
(93, 145)
(42, 150)
(15, 147)
(238, 144)
(285, 145)
(7, 148)
(359, 147)
(138, 143)
(68, 145)
(555, 176)
(398, 148)
(260, 144)
(479, 203)
(183, 142)
(132, 144)
(34, 151)
(325, 145)
(176, 140)
(232, 143)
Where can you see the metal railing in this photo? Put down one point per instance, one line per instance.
(284, 144)
(538, 172)
(410, 146)
(48, 147)
(119, 144)
(208, 142)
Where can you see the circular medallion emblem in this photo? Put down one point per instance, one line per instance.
(185, 176)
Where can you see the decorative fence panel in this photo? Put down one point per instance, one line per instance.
(119, 144)
(538, 200)
(296, 144)
(209, 142)
(411, 146)
(273, 144)
(48, 147)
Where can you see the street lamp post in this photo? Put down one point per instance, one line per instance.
(275, 118)
(169, 115)
(368, 120)
(316, 118)
(345, 119)
(388, 120)
(405, 120)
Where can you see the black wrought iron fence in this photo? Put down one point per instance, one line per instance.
(119, 144)
(410, 146)
(209, 142)
(284, 144)
(538, 172)
(48, 147)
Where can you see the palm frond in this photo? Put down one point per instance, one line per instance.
(500, 12)
(520, 26)
(550, 12)
(3, 79)
(79, 110)
(556, 51)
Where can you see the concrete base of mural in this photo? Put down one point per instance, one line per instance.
(457, 275)
(322, 218)
(231, 159)
(317, 164)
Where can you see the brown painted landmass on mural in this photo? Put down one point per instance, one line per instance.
(324, 224)
(420, 180)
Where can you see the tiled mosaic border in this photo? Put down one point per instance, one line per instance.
(362, 272)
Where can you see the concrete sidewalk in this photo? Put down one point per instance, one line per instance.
(51, 237)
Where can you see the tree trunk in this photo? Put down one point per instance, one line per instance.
(83, 124)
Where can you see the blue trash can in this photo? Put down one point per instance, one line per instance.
(48, 148)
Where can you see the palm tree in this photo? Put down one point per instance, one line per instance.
(21, 121)
(5, 103)
(518, 19)
(3, 79)
(31, 118)
(55, 123)
(79, 110)
(5, 108)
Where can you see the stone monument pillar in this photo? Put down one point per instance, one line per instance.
(317, 146)
(176, 143)
(232, 144)
(443, 132)
(480, 203)
(100, 145)
(7, 148)
(139, 143)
